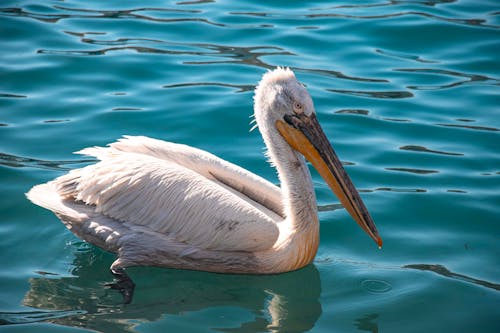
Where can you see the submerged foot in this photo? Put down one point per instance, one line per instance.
(123, 283)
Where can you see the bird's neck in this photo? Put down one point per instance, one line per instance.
(301, 229)
(298, 192)
(298, 240)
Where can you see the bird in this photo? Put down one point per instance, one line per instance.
(165, 204)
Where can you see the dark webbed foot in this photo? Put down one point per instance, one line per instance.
(123, 283)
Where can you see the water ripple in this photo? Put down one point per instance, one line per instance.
(139, 49)
(427, 150)
(362, 112)
(374, 94)
(470, 78)
(10, 318)
(469, 21)
(330, 207)
(194, 2)
(353, 111)
(51, 121)
(6, 95)
(233, 54)
(14, 161)
(337, 74)
(443, 271)
(413, 170)
(413, 81)
(456, 191)
(108, 14)
(49, 18)
(114, 13)
(239, 87)
(138, 14)
(430, 3)
(333, 12)
(376, 286)
(126, 109)
(476, 128)
(399, 190)
(405, 56)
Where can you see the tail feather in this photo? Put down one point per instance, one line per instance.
(47, 196)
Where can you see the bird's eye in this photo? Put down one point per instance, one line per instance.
(297, 107)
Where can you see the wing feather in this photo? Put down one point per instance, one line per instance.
(204, 163)
(142, 181)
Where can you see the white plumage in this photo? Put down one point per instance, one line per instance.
(172, 189)
(165, 204)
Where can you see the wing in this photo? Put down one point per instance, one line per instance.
(181, 191)
(205, 164)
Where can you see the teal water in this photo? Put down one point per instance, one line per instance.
(407, 91)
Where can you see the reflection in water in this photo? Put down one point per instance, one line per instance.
(337, 74)
(363, 112)
(126, 109)
(392, 3)
(467, 21)
(456, 191)
(286, 302)
(194, 2)
(10, 318)
(404, 56)
(476, 128)
(108, 14)
(400, 190)
(427, 150)
(412, 170)
(139, 49)
(330, 207)
(354, 111)
(374, 94)
(156, 14)
(367, 323)
(230, 54)
(470, 78)
(398, 120)
(14, 161)
(6, 95)
(51, 121)
(441, 270)
(239, 87)
(339, 12)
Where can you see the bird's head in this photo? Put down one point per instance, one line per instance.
(283, 105)
(280, 94)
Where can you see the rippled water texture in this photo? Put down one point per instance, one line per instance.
(407, 91)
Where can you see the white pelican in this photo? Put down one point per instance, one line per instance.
(157, 203)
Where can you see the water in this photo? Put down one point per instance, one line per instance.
(407, 91)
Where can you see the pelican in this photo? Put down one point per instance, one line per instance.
(157, 203)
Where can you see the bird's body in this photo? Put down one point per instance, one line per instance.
(164, 204)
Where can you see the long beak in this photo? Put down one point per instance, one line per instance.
(304, 134)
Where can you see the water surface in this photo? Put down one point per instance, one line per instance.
(407, 91)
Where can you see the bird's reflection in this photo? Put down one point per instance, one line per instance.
(286, 302)
(367, 323)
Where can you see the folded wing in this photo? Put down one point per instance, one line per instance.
(178, 190)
